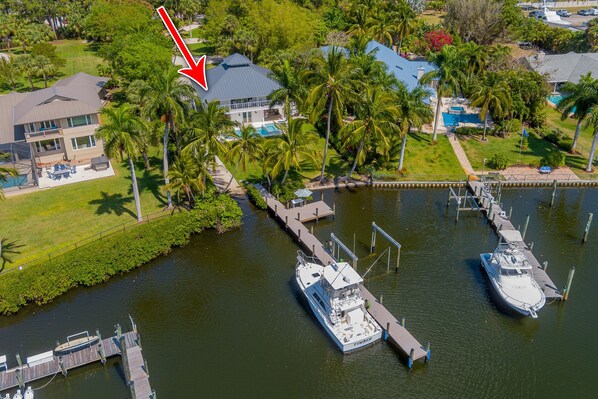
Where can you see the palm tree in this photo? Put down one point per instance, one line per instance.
(413, 112)
(593, 121)
(167, 96)
(244, 149)
(579, 98)
(331, 85)
(5, 173)
(380, 27)
(185, 178)
(7, 249)
(491, 93)
(404, 21)
(209, 125)
(28, 65)
(475, 57)
(291, 88)
(120, 131)
(447, 78)
(292, 147)
(376, 116)
(43, 67)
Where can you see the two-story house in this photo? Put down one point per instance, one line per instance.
(56, 124)
(243, 89)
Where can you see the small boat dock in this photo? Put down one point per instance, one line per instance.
(48, 364)
(292, 220)
(499, 220)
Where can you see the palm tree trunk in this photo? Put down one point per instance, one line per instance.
(403, 145)
(45, 80)
(135, 190)
(576, 136)
(438, 106)
(286, 173)
(485, 125)
(232, 176)
(356, 156)
(145, 159)
(31, 82)
(165, 162)
(592, 151)
(327, 137)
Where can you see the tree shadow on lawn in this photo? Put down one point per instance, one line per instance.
(147, 181)
(112, 203)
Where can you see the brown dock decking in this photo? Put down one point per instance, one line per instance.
(111, 347)
(499, 221)
(292, 220)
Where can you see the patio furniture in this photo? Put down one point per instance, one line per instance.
(297, 202)
(100, 163)
(62, 167)
(56, 168)
(74, 169)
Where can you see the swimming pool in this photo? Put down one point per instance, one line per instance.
(14, 181)
(556, 100)
(267, 130)
(453, 120)
(456, 110)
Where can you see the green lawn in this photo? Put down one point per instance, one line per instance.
(50, 219)
(201, 48)
(79, 55)
(427, 161)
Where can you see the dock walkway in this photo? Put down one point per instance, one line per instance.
(500, 221)
(292, 219)
(62, 364)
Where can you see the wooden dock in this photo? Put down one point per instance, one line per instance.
(500, 221)
(133, 364)
(292, 220)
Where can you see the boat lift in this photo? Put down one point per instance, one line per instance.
(375, 229)
(337, 245)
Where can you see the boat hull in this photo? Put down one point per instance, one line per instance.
(497, 290)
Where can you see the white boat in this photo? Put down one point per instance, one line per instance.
(77, 341)
(18, 395)
(334, 295)
(29, 393)
(511, 275)
(550, 16)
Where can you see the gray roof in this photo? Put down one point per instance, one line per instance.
(237, 78)
(73, 96)
(564, 67)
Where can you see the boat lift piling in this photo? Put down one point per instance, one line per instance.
(569, 281)
(376, 228)
(553, 193)
(339, 245)
(525, 227)
(587, 229)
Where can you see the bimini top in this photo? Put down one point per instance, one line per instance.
(341, 275)
(510, 236)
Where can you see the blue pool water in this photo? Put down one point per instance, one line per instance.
(457, 109)
(454, 119)
(556, 100)
(266, 130)
(14, 181)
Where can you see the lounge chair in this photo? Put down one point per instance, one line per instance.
(544, 170)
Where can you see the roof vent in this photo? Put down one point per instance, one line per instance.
(346, 279)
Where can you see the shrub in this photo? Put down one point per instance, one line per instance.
(554, 159)
(565, 143)
(498, 161)
(286, 192)
(469, 131)
(116, 254)
(255, 197)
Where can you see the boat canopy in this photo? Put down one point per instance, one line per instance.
(341, 275)
(510, 236)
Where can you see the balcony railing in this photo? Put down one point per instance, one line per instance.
(43, 134)
(248, 104)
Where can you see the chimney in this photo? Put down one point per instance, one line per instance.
(420, 73)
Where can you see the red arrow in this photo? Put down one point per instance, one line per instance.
(196, 71)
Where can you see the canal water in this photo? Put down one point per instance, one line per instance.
(221, 317)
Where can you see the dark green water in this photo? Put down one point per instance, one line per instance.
(221, 318)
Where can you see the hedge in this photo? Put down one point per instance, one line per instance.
(119, 253)
(256, 197)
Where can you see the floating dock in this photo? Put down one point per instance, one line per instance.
(499, 220)
(292, 219)
(49, 365)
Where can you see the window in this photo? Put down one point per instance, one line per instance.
(47, 125)
(79, 120)
(246, 116)
(80, 143)
(47, 145)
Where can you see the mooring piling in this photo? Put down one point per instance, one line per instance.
(525, 227)
(381, 299)
(587, 229)
(510, 212)
(545, 265)
(568, 286)
(553, 193)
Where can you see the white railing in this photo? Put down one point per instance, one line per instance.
(248, 104)
(51, 132)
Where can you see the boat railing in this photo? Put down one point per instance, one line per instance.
(525, 304)
(78, 335)
(302, 257)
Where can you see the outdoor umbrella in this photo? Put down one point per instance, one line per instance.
(303, 193)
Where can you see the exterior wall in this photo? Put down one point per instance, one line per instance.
(81, 153)
(256, 116)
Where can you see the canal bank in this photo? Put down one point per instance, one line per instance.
(222, 318)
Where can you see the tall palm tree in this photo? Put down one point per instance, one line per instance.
(447, 78)
(244, 149)
(475, 56)
(291, 88)
(167, 96)
(331, 85)
(293, 147)
(413, 112)
(5, 173)
(380, 27)
(491, 93)
(593, 122)
(579, 98)
(120, 131)
(404, 20)
(7, 250)
(376, 116)
(209, 125)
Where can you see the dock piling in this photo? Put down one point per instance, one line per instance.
(19, 373)
(587, 229)
(545, 265)
(510, 212)
(333, 210)
(553, 193)
(410, 364)
(63, 369)
(101, 350)
(403, 322)
(428, 352)
(531, 246)
(568, 286)
(381, 298)
(525, 227)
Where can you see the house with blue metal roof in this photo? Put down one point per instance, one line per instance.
(243, 89)
(407, 71)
